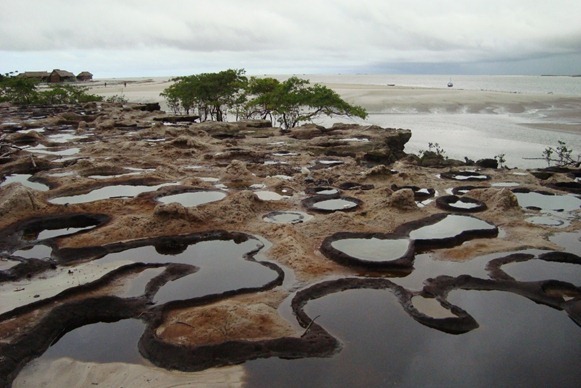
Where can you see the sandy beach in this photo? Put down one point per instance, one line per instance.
(262, 174)
(396, 99)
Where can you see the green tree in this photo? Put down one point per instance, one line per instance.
(295, 101)
(18, 90)
(24, 91)
(211, 95)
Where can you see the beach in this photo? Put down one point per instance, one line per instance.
(464, 122)
(308, 253)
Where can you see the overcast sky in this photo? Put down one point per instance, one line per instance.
(179, 37)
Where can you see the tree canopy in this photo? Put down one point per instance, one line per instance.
(288, 103)
(24, 91)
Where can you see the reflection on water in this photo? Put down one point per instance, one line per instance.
(24, 180)
(373, 249)
(195, 198)
(450, 226)
(221, 264)
(335, 204)
(518, 343)
(100, 342)
(536, 270)
(118, 191)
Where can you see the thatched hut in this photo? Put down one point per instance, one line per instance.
(84, 76)
(58, 75)
(41, 76)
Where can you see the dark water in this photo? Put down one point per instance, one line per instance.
(518, 343)
(121, 191)
(100, 342)
(450, 226)
(373, 249)
(221, 262)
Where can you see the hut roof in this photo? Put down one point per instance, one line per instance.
(63, 73)
(85, 74)
(35, 74)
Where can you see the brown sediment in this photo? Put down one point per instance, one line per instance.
(243, 323)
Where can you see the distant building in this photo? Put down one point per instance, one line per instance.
(58, 75)
(41, 76)
(84, 76)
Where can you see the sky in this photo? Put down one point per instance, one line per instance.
(116, 38)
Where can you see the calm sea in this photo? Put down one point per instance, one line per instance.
(520, 136)
(570, 86)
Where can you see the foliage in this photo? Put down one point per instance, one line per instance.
(18, 90)
(563, 155)
(117, 99)
(209, 95)
(294, 101)
(66, 94)
(24, 91)
(289, 103)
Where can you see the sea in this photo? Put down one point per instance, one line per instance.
(519, 132)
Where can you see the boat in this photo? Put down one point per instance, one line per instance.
(450, 84)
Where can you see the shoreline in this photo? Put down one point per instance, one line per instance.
(549, 112)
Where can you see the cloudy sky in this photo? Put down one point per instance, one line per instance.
(177, 37)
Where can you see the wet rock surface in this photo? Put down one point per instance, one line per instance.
(209, 280)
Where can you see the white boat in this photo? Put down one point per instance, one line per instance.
(450, 84)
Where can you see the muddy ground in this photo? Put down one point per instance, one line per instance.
(260, 170)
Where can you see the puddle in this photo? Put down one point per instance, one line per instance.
(38, 251)
(518, 343)
(194, 198)
(323, 204)
(100, 343)
(48, 233)
(117, 191)
(548, 221)
(6, 263)
(465, 176)
(40, 149)
(112, 176)
(330, 162)
(24, 180)
(505, 184)
(536, 270)
(50, 283)
(287, 217)
(451, 226)
(65, 137)
(570, 242)
(373, 249)
(460, 204)
(548, 202)
(285, 153)
(355, 140)
(62, 174)
(136, 287)
(431, 307)
(335, 204)
(324, 190)
(221, 263)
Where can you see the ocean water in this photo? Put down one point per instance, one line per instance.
(529, 114)
(561, 85)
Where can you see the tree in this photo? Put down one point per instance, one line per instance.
(210, 94)
(295, 101)
(24, 91)
(18, 90)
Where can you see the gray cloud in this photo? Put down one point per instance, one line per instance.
(307, 34)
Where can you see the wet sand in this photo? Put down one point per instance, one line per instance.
(558, 112)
